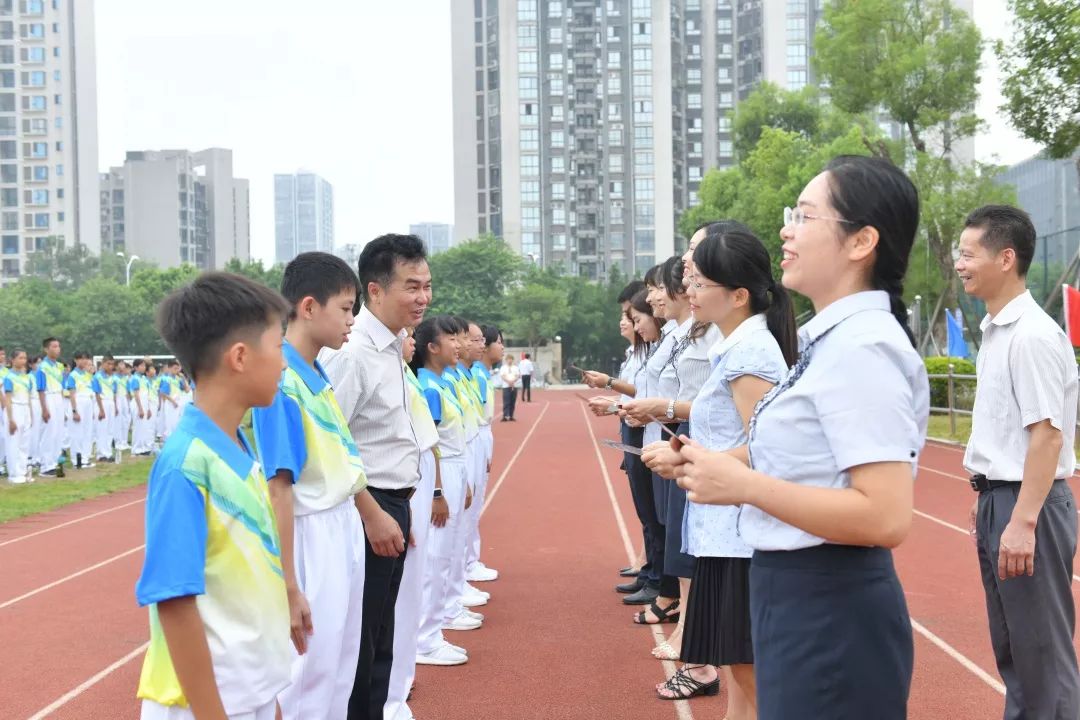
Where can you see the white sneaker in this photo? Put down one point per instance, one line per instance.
(481, 573)
(458, 649)
(462, 622)
(442, 655)
(471, 600)
(470, 590)
(474, 615)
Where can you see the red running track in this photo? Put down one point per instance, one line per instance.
(557, 642)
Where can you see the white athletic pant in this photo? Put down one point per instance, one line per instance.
(472, 515)
(142, 434)
(153, 711)
(51, 438)
(159, 416)
(82, 430)
(170, 417)
(35, 427)
(409, 601)
(474, 453)
(17, 446)
(328, 551)
(105, 430)
(122, 423)
(442, 543)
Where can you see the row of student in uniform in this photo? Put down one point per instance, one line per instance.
(53, 409)
(278, 572)
(772, 467)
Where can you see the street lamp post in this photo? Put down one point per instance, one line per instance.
(127, 270)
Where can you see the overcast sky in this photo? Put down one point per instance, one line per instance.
(356, 91)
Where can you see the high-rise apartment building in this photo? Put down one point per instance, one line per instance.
(172, 207)
(583, 128)
(303, 215)
(437, 237)
(48, 129)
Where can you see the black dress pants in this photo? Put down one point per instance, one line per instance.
(382, 579)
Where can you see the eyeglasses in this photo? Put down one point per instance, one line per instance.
(796, 216)
(694, 282)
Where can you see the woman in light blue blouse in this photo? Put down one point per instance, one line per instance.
(826, 479)
(732, 286)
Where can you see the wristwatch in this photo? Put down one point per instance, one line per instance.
(671, 410)
(610, 382)
(438, 493)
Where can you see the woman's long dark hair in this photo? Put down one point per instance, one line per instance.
(429, 331)
(873, 192)
(639, 303)
(735, 258)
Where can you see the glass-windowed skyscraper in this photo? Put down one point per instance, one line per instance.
(583, 128)
(303, 215)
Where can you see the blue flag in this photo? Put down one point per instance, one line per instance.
(957, 346)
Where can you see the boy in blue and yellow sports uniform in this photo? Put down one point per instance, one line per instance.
(212, 574)
(18, 396)
(104, 384)
(318, 490)
(50, 389)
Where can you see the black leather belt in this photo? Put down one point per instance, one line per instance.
(980, 483)
(403, 493)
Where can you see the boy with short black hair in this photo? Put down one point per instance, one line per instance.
(212, 573)
(104, 384)
(86, 409)
(318, 491)
(50, 388)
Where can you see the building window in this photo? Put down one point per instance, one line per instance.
(642, 32)
(615, 163)
(9, 173)
(41, 220)
(641, 8)
(614, 111)
(40, 173)
(529, 114)
(614, 137)
(642, 111)
(526, 36)
(558, 190)
(555, 8)
(796, 79)
(723, 26)
(726, 147)
(526, 9)
(643, 163)
(34, 78)
(11, 244)
(59, 169)
(557, 113)
(723, 124)
(558, 164)
(694, 173)
(643, 135)
(530, 218)
(558, 139)
(796, 28)
(726, 99)
(558, 215)
(527, 61)
(56, 75)
(723, 74)
(693, 76)
(528, 88)
(693, 101)
(614, 84)
(555, 85)
(616, 214)
(9, 197)
(7, 126)
(642, 56)
(555, 61)
(34, 31)
(555, 35)
(614, 59)
(796, 54)
(35, 103)
(530, 165)
(32, 7)
(530, 191)
(530, 139)
(642, 85)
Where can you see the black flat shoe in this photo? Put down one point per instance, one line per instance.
(644, 596)
(628, 572)
(631, 587)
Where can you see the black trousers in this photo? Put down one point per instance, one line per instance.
(632, 436)
(642, 491)
(509, 402)
(382, 580)
(526, 388)
(1033, 619)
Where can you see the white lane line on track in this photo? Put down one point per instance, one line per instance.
(682, 707)
(959, 657)
(957, 528)
(72, 576)
(71, 522)
(76, 692)
(506, 470)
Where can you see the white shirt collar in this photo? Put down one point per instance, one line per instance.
(380, 335)
(1011, 312)
(841, 310)
(754, 322)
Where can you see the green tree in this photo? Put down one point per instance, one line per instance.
(23, 324)
(1041, 71)
(255, 270)
(472, 279)
(152, 284)
(799, 112)
(107, 317)
(536, 313)
(63, 265)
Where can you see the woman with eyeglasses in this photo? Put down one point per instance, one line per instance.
(825, 482)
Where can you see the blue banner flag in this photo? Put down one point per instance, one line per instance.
(957, 346)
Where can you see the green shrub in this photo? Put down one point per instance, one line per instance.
(963, 390)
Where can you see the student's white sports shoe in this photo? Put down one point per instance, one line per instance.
(479, 572)
(458, 648)
(475, 615)
(443, 655)
(471, 600)
(473, 590)
(462, 622)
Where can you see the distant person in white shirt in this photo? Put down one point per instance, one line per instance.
(527, 370)
(511, 376)
(1020, 455)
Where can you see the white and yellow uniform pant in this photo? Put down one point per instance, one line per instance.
(443, 544)
(51, 438)
(17, 446)
(407, 611)
(82, 430)
(472, 515)
(329, 555)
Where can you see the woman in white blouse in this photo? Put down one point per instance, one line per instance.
(826, 479)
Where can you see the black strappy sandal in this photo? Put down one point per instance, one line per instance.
(683, 686)
(670, 614)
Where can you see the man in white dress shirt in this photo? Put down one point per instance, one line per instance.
(1020, 454)
(369, 383)
(527, 369)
